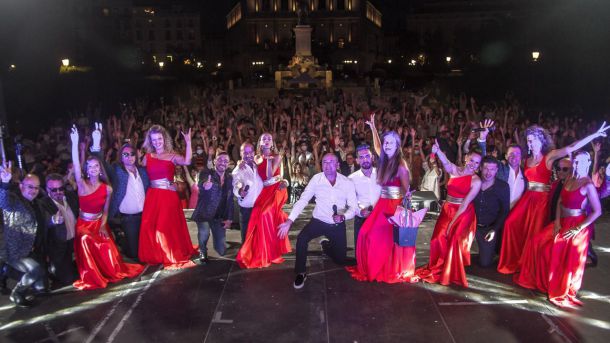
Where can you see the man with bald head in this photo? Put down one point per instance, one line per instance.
(247, 185)
(335, 203)
(20, 221)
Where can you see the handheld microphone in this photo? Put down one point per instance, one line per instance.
(480, 129)
(246, 188)
(370, 208)
(335, 210)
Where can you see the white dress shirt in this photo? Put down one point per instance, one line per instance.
(133, 202)
(241, 178)
(69, 218)
(516, 182)
(342, 194)
(367, 188)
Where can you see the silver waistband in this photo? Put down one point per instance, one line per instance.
(538, 187)
(391, 192)
(90, 216)
(454, 200)
(571, 212)
(272, 181)
(163, 184)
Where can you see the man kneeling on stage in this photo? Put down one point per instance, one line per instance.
(334, 194)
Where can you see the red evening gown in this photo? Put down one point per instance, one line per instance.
(526, 219)
(97, 257)
(379, 258)
(449, 255)
(164, 236)
(553, 264)
(262, 245)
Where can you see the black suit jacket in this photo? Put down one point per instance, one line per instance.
(56, 232)
(217, 197)
(345, 170)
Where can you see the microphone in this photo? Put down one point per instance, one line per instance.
(246, 188)
(334, 210)
(370, 208)
(479, 129)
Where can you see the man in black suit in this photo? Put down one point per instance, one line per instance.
(214, 209)
(348, 166)
(59, 210)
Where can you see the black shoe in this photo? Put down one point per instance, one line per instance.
(20, 300)
(299, 282)
(324, 242)
(203, 258)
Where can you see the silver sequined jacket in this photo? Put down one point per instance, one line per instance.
(19, 219)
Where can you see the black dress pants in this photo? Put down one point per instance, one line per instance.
(335, 249)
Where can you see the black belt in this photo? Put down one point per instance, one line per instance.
(131, 215)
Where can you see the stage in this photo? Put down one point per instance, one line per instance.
(219, 302)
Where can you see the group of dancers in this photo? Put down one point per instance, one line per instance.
(544, 255)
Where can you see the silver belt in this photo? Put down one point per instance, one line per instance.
(272, 181)
(163, 184)
(571, 212)
(538, 187)
(454, 200)
(90, 216)
(391, 192)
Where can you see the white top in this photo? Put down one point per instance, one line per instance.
(243, 177)
(367, 188)
(133, 202)
(431, 181)
(69, 218)
(516, 183)
(342, 194)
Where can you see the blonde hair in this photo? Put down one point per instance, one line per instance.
(167, 140)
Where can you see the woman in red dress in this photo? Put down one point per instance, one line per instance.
(531, 213)
(379, 258)
(456, 225)
(262, 245)
(164, 236)
(555, 260)
(97, 257)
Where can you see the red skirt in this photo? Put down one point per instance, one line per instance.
(379, 258)
(97, 258)
(164, 236)
(525, 220)
(555, 265)
(262, 246)
(450, 255)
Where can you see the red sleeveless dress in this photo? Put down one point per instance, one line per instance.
(97, 257)
(526, 219)
(262, 245)
(164, 235)
(449, 255)
(379, 258)
(553, 264)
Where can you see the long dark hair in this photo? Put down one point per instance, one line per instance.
(103, 176)
(119, 158)
(387, 168)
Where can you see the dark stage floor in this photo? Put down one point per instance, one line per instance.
(220, 302)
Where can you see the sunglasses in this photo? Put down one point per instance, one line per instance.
(127, 154)
(58, 189)
(564, 169)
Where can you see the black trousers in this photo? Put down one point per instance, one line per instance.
(335, 249)
(244, 218)
(130, 223)
(357, 225)
(29, 273)
(61, 264)
(487, 250)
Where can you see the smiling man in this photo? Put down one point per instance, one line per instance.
(335, 203)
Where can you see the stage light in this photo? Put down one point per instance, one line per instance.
(448, 59)
(535, 55)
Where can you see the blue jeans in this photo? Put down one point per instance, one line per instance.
(218, 233)
(244, 218)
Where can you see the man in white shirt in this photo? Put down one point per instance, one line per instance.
(335, 202)
(367, 189)
(247, 185)
(514, 176)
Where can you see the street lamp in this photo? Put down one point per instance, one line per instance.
(219, 64)
(65, 62)
(535, 55)
(390, 61)
(161, 65)
(448, 59)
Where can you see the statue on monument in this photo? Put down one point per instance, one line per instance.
(302, 12)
